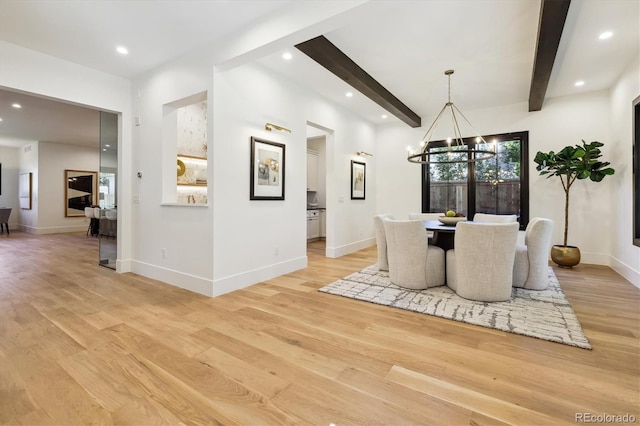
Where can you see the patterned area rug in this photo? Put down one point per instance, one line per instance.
(544, 314)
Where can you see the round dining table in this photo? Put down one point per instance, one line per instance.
(443, 235)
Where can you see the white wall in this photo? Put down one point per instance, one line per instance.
(54, 159)
(234, 242)
(28, 219)
(248, 232)
(183, 232)
(10, 160)
(626, 256)
(562, 121)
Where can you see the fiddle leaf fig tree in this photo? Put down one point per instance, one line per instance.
(571, 163)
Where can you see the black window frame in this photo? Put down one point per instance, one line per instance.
(523, 137)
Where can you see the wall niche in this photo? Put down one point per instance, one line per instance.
(185, 144)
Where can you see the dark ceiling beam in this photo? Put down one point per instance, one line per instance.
(329, 56)
(553, 14)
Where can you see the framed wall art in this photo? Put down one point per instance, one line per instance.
(636, 171)
(358, 176)
(267, 170)
(81, 190)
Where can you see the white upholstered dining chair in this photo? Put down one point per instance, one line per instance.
(481, 265)
(381, 240)
(531, 266)
(413, 263)
(426, 216)
(89, 214)
(494, 218)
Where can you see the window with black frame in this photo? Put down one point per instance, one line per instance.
(498, 185)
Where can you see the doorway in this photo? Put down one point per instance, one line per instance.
(317, 189)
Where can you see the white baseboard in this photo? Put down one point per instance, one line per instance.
(123, 266)
(245, 279)
(626, 271)
(176, 278)
(335, 252)
(52, 229)
(206, 286)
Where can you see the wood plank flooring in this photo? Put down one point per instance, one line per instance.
(80, 344)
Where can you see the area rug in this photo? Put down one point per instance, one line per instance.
(544, 314)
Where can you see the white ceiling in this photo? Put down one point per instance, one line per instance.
(405, 46)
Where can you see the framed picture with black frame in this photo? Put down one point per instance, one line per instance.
(267, 170)
(358, 177)
(636, 171)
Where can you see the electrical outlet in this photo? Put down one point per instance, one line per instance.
(276, 250)
(164, 253)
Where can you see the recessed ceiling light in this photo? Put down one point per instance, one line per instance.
(122, 50)
(0, 119)
(287, 56)
(104, 149)
(605, 35)
(348, 94)
(16, 106)
(107, 145)
(579, 83)
(384, 115)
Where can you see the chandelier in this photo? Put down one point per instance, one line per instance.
(455, 150)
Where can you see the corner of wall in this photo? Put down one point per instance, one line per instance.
(334, 252)
(626, 271)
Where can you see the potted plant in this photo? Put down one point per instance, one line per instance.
(571, 163)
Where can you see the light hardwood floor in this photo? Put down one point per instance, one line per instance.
(80, 344)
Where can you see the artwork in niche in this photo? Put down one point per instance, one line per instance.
(192, 195)
(358, 177)
(267, 170)
(80, 191)
(192, 130)
(24, 191)
(192, 171)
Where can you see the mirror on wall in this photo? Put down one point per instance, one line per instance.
(108, 189)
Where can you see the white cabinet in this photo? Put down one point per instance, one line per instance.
(312, 170)
(313, 224)
(323, 223)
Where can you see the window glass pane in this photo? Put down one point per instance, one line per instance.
(448, 182)
(498, 181)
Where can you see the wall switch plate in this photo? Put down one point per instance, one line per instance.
(136, 198)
